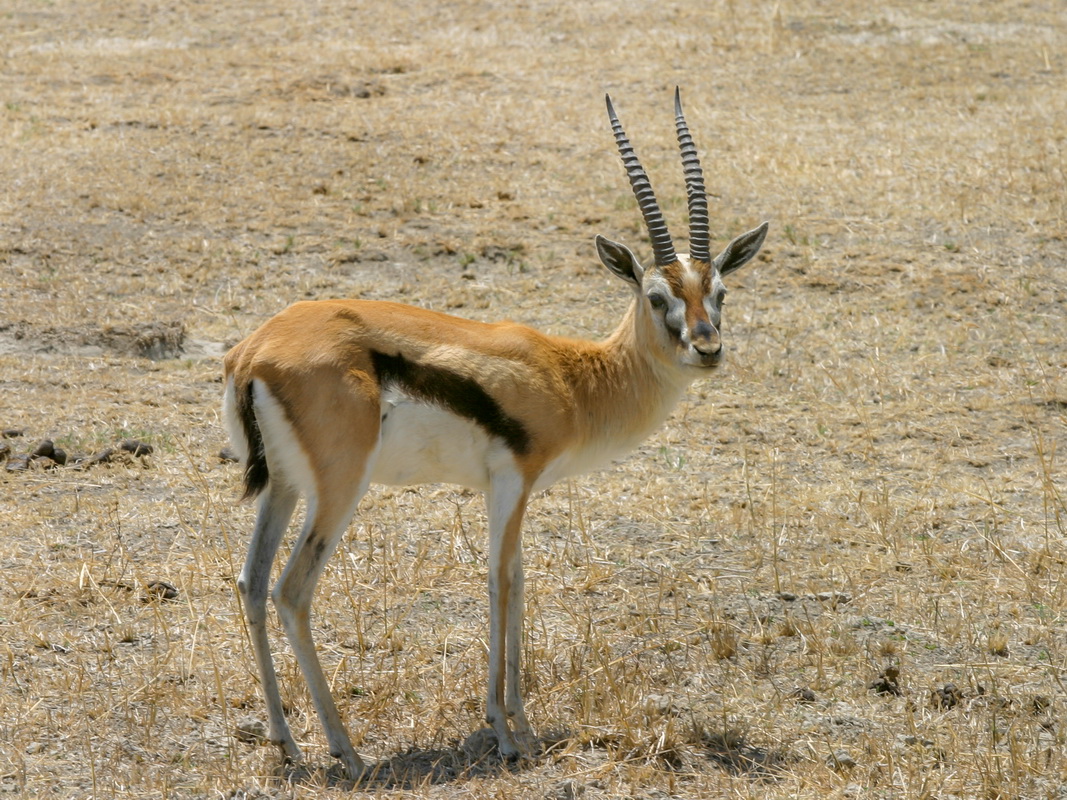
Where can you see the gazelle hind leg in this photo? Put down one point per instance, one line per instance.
(507, 501)
(327, 519)
(276, 506)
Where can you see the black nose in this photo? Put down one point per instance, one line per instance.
(706, 339)
(703, 330)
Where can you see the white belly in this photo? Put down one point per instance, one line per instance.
(581, 461)
(422, 443)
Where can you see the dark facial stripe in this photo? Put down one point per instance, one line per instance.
(461, 395)
(672, 274)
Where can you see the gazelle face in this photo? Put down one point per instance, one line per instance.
(684, 304)
(682, 301)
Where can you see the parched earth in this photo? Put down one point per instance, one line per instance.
(836, 572)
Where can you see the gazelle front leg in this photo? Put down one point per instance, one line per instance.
(507, 502)
(522, 732)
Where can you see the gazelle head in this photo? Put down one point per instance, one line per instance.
(679, 297)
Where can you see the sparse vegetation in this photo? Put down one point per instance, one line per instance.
(837, 573)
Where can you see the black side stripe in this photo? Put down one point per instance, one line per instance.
(461, 395)
(256, 473)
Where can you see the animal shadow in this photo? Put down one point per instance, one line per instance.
(475, 757)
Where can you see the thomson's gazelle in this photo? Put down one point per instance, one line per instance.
(330, 396)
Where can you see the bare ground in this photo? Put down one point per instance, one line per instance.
(838, 570)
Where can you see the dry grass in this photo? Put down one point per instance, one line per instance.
(837, 572)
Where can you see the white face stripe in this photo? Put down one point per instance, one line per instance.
(714, 300)
(684, 296)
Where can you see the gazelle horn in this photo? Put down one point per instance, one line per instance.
(662, 247)
(699, 235)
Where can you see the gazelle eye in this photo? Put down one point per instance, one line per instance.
(657, 301)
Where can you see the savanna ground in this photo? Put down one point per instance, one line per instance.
(838, 571)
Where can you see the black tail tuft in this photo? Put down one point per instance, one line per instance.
(256, 472)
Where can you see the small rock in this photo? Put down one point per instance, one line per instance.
(887, 683)
(915, 741)
(948, 696)
(835, 599)
(137, 448)
(102, 457)
(788, 597)
(59, 456)
(566, 790)
(802, 694)
(1040, 703)
(160, 590)
(927, 746)
(17, 463)
(46, 448)
(251, 730)
(659, 704)
(452, 647)
(11, 433)
(840, 761)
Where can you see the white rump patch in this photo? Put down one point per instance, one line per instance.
(233, 422)
(286, 459)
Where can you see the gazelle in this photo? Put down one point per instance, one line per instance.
(330, 396)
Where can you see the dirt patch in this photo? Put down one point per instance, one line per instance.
(152, 340)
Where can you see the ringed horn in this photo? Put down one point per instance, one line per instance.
(699, 236)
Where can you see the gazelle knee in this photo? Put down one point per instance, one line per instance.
(290, 601)
(252, 588)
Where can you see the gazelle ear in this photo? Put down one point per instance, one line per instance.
(618, 258)
(740, 251)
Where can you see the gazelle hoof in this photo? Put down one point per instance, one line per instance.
(291, 753)
(353, 765)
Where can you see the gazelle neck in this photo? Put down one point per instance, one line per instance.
(623, 390)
